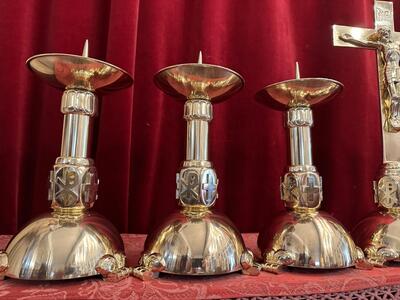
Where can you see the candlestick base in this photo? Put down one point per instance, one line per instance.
(378, 233)
(56, 247)
(308, 240)
(199, 242)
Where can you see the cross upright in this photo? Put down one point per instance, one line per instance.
(386, 42)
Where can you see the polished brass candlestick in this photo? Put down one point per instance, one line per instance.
(379, 233)
(70, 241)
(303, 236)
(196, 240)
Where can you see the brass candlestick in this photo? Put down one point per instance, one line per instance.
(196, 240)
(379, 233)
(304, 237)
(70, 241)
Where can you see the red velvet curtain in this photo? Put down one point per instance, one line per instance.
(138, 138)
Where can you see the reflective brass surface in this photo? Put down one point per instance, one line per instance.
(67, 71)
(55, 247)
(378, 234)
(199, 81)
(312, 240)
(71, 242)
(197, 241)
(197, 244)
(303, 237)
(302, 91)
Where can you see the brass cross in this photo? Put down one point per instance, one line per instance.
(386, 42)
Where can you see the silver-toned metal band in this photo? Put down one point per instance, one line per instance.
(77, 106)
(197, 113)
(299, 121)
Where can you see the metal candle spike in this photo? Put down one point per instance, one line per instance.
(379, 233)
(196, 240)
(71, 241)
(304, 237)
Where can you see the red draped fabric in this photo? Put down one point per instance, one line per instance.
(138, 138)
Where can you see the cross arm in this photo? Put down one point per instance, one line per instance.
(359, 36)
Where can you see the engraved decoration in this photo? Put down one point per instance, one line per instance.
(197, 186)
(303, 189)
(71, 184)
(387, 192)
(65, 186)
(89, 186)
(188, 186)
(209, 183)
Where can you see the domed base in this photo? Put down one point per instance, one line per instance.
(379, 236)
(314, 240)
(53, 248)
(205, 244)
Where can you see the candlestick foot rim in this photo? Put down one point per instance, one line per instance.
(208, 244)
(57, 248)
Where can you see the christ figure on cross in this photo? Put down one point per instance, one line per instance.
(390, 54)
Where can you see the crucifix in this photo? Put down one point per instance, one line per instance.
(377, 234)
(386, 42)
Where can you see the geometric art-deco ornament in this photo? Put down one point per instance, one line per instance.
(379, 233)
(304, 237)
(70, 241)
(196, 240)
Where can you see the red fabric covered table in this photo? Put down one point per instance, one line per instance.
(379, 282)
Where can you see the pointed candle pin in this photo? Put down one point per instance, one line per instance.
(200, 59)
(297, 70)
(85, 52)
